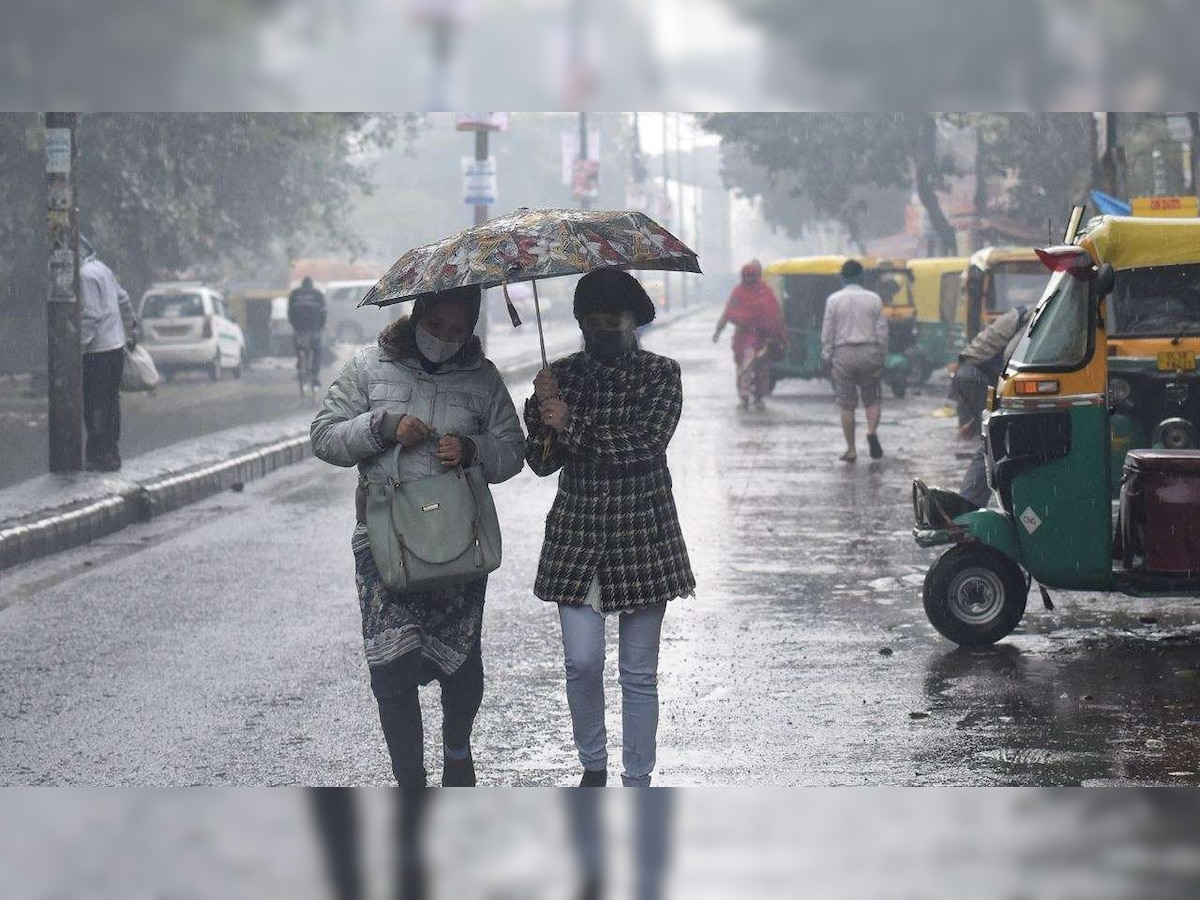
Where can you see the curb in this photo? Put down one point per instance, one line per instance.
(71, 527)
(74, 527)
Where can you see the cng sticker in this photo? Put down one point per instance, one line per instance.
(1030, 520)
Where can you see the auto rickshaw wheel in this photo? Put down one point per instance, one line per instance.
(974, 595)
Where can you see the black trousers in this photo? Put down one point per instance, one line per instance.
(102, 405)
(400, 716)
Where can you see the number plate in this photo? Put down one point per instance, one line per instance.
(1176, 360)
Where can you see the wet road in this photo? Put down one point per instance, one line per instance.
(220, 645)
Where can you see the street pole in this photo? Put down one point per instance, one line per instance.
(481, 216)
(64, 354)
(666, 175)
(683, 282)
(585, 202)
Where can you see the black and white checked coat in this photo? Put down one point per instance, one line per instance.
(614, 515)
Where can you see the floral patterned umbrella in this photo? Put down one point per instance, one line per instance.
(529, 244)
(533, 243)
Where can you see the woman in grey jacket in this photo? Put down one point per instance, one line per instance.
(427, 387)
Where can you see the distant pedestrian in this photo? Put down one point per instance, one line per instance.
(427, 387)
(854, 339)
(107, 325)
(613, 542)
(759, 335)
(306, 315)
(979, 366)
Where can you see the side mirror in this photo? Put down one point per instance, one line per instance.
(1106, 280)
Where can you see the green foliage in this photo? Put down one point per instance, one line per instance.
(832, 159)
(1039, 163)
(199, 194)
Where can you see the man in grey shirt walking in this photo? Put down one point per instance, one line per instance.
(854, 337)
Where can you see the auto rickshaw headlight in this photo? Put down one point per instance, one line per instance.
(1118, 390)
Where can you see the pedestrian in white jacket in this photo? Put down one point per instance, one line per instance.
(106, 326)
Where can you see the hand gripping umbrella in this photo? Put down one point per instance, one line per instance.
(529, 244)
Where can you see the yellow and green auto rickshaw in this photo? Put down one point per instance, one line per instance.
(1047, 434)
(1153, 330)
(802, 285)
(997, 279)
(937, 293)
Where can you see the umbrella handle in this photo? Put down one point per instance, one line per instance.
(537, 309)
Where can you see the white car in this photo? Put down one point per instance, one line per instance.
(349, 324)
(187, 326)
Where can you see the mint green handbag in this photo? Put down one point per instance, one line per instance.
(435, 532)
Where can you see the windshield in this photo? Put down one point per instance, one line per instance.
(172, 306)
(1058, 332)
(1018, 284)
(1157, 301)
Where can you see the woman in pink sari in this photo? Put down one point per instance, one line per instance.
(758, 334)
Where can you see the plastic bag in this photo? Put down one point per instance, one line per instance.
(140, 373)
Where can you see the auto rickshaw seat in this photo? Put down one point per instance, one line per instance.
(1158, 518)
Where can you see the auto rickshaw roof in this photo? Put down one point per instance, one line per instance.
(937, 264)
(816, 265)
(1129, 242)
(990, 257)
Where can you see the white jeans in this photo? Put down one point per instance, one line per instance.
(583, 651)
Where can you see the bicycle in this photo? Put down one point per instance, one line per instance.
(306, 360)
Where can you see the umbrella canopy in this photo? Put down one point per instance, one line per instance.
(529, 244)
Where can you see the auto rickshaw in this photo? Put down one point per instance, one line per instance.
(251, 309)
(997, 279)
(1153, 331)
(802, 285)
(1047, 434)
(941, 312)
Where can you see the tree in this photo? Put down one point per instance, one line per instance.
(161, 195)
(1042, 161)
(829, 159)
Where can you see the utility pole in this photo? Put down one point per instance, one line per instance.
(65, 355)
(585, 202)
(481, 216)
(479, 182)
(682, 233)
(666, 174)
(1113, 162)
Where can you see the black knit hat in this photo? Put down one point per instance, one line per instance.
(611, 290)
(469, 295)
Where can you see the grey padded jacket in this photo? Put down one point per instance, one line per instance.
(465, 397)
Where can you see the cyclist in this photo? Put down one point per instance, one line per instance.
(306, 314)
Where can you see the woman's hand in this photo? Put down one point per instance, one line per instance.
(555, 413)
(450, 451)
(410, 431)
(545, 385)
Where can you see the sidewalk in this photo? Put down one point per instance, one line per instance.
(57, 512)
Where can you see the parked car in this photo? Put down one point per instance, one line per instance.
(188, 326)
(349, 324)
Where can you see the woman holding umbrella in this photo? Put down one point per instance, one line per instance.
(426, 387)
(613, 543)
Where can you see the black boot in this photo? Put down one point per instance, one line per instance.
(458, 772)
(594, 778)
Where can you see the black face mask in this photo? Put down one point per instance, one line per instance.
(604, 346)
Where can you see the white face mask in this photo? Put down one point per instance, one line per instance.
(435, 349)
